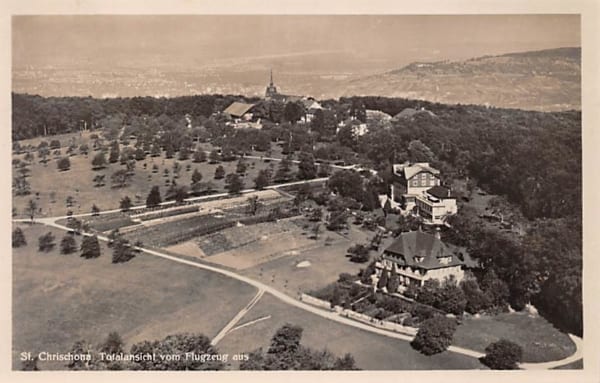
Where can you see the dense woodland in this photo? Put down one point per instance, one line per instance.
(531, 158)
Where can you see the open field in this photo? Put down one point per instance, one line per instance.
(541, 342)
(371, 351)
(55, 186)
(59, 299)
(327, 260)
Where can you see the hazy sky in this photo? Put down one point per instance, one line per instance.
(164, 40)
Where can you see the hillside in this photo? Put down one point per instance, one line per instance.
(548, 80)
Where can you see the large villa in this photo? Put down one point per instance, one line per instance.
(417, 256)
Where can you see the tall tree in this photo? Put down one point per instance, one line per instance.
(90, 247)
(154, 199)
(68, 244)
(18, 238)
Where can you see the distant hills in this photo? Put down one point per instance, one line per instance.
(545, 80)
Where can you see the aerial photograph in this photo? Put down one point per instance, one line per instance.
(296, 192)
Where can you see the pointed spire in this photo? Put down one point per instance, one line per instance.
(271, 83)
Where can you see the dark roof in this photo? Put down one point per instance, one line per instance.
(411, 245)
(238, 109)
(440, 192)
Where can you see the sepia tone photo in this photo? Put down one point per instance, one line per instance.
(296, 192)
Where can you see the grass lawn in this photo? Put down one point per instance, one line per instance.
(59, 299)
(54, 185)
(577, 365)
(541, 342)
(371, 351)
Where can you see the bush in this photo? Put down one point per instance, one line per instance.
(18, 238)
(434, 335)
(359, 253)
(64, 164)
(502, 355)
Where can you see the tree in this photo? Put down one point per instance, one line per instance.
(315, 215)
(181, 345)
(120, 178)
(199, 155)
(113, 344)
(346, 183)
(114, 154)
(180, 194)
(31, 208)
(99, 180)
(196, 177)
(90, 247)
(394, 281)
(68, 244)
(153, 198)
(64, 164)
(283, 173)
(125, 203)
(337, 220)
(253, 205)
(21, 185)
(214, 157)
(477, 300)
(46, 242)
(419, 152)
(219, 172)
(286, 353)
(452, 298)
(262, 180)
(293, 111)
(99, 161)
(306, 168)
(434, 335)
(95, 210)
(316, 229)
(383, 279)
(502, 355)
(233, 183)
(365, 275)
(359, 253)
(122, 251)
(241, 167)
(18, 238)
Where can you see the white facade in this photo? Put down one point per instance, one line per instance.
(435, 210)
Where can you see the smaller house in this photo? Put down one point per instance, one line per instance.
(411, 180)
(435, 205)
(310, 106)
(239, 110)
(417, 256)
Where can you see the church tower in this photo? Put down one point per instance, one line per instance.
(271, 91)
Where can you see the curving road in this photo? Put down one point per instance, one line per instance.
(331, 315)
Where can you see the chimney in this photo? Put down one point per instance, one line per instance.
(437, 233)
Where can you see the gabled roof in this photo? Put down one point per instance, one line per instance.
(416, 244)
(410, 170)
(440, 192)
(238, 109)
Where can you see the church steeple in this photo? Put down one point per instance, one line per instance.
(271, 91)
